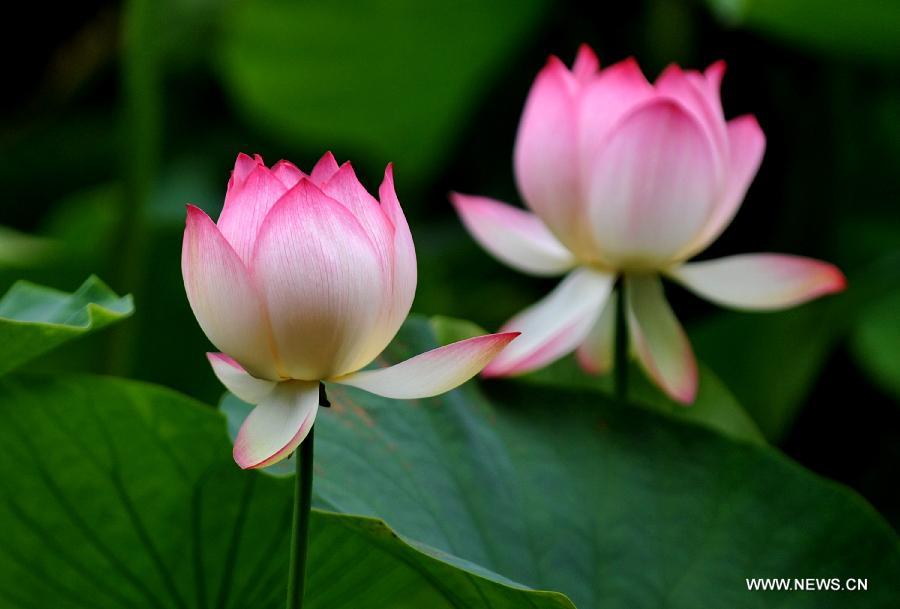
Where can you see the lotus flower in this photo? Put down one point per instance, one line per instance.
(627, 178)
(306, 278)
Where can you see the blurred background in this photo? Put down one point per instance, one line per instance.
(117, 114)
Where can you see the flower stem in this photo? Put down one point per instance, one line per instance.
(300, 533)
(620, 365)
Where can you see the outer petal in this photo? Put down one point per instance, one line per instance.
(512, 235)
(714, 74)
(322, 283)
(238, 381)
(653, 186)
(545, 155)
(746, 145)
(277, 425)
(405, 276)
(595, 354)
(246, 204)
(659, 340)
(324, 169)
(760, 281)
(433, 372)
(222, 296)
(555, 325)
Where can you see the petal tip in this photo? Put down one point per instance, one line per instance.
(835, 281)
(215, 357)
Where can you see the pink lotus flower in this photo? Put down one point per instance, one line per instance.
(304, 279)
(630, 178)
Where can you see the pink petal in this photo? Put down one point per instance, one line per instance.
(595, 354)
(345, 188)
(692, 91)
(659, 340)
(405, 276)
(760, 281)
(238, 381)
(714, 74)
(243, 165)
(277, 425)
(322, 282)
(546, 156)
(554, 326)
(288, 173)
(512, 235)
(324, 169)
(247, 202)
(222, 296)
(746, 145)
(608, 98)
(653, 186)
(433, 372)
(586, 64)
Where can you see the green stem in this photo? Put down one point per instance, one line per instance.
(142, 128)
(300, 533)
(620, 365)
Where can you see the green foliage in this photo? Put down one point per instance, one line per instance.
(865, 29)
(35, 319)
(383, 78)
(19, 250)
(876, 342)
(616, 506)
(119, 494)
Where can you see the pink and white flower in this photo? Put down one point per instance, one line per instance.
(628, 178)
(307, 278)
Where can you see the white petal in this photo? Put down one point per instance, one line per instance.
(238, 381)
(223, 297)
(659, 340)
(554, 326)
(277, 425)
(433, 372)
(514, 236)
(760, 281)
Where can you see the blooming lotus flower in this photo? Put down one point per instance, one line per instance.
(306, 278)
(628, 178)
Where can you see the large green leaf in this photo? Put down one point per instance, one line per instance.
(866, 29)
(715, 406)
(35, 319)
(117, 494)
(383, 78)
(616, 506)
